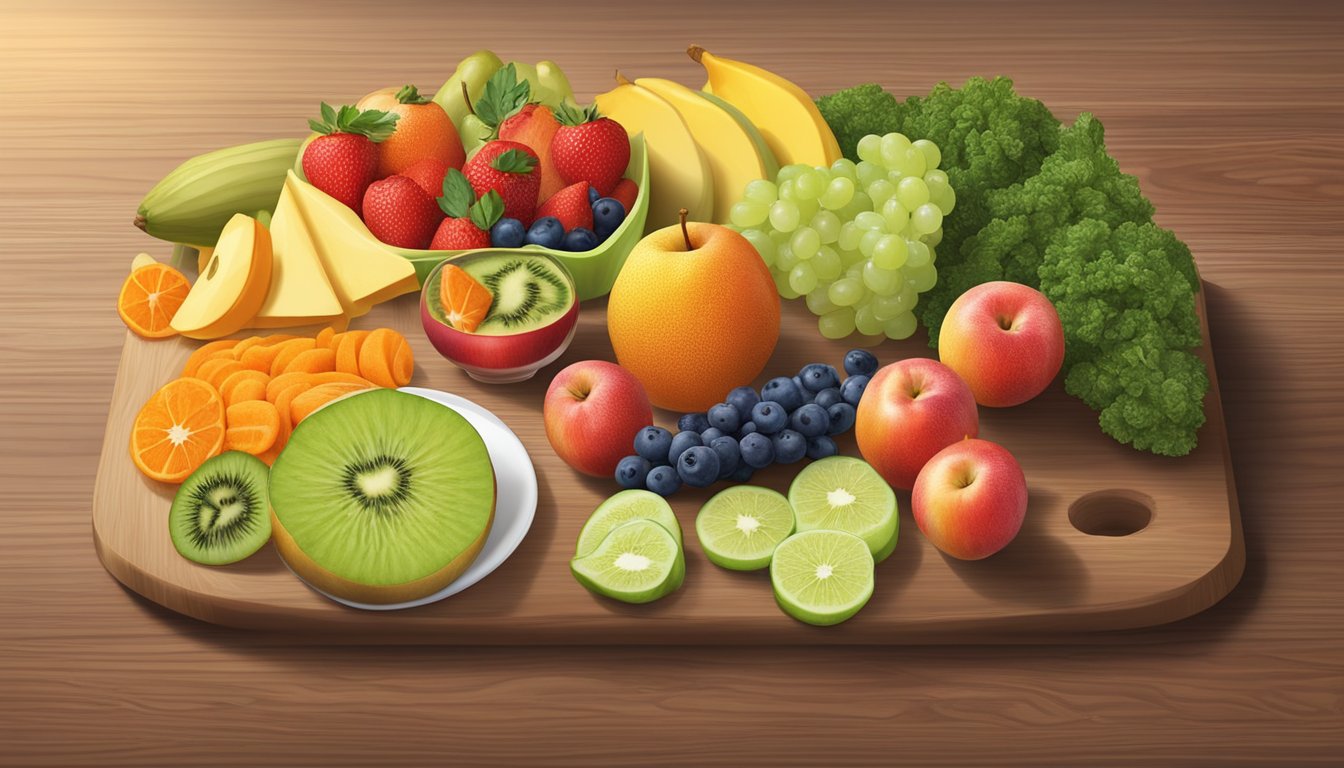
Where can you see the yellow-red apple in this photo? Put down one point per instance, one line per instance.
(910, 411)
(592, 411)
(1005, 340)
(970, 499)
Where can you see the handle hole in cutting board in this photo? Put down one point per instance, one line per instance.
(1116, 512)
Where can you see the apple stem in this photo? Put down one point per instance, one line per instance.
(467, 98)
(685, 234)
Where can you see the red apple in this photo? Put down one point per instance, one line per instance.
(1005, 340)
(970, 499)
(910, 411)
(592, 411)
(535, 125)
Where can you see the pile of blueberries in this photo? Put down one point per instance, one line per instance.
(548, 232)
(788, 419)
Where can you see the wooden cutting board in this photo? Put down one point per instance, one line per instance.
(1113, 538)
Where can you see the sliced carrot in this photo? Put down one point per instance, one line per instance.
(205, 352)
(313, 361)
(324, 336)
(246, 344)
(214, 371)
(287, 351)
(284, 380)
(253, 426)
(347, 351)
(375, 357)
(272, 453)
(305, 403)
(243, 385)
(403, 363)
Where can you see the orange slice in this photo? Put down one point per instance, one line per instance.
(243, 385)
(465, 301)
(180, 427)
(149, 298)
(253, 426)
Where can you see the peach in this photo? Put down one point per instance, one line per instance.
(910, 411)
(970, 499)
(592, 411)
(1005, 340)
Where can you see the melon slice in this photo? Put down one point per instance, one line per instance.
(233, 284)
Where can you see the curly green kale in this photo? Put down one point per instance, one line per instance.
(856, 112)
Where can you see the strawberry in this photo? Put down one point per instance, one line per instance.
(428, 173)
(398, 212)
(343, 160)
(512, 170)
(590, 148)
(625, 193)
(469, 220)
(570, 205)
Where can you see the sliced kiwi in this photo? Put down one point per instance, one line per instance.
(529, 291)
(220, 514)
(382, 497)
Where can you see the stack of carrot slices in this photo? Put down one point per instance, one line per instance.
(249, 394)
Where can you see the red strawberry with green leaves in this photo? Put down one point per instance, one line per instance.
(343, 160)
(398, 212)
(428, 173)
(590, 148)
(570, 205)
(469, 220)
(512, 170)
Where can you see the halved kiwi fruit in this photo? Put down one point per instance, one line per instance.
(528, 291)
(382, 497)
(220, 514)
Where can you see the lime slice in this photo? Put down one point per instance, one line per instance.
(638, 562)
(622, 508)
(822, 577)
(841, 493)
(740, 527)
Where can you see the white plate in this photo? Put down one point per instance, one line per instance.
(515, 505)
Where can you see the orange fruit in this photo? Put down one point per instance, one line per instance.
(423, 130)
(149, 298)
(693, 320)
(180, 427)
(465, 301)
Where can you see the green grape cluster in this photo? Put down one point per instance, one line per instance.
(857, 239)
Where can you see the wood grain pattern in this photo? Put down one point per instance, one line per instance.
(1228, 112)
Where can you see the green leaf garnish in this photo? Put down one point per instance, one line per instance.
(487, 211)
(409, 94)
(376, 124)
(569, 114)
(502, 98)
(513, 161)
(458, 195)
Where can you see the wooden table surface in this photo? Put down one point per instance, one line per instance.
(1230, 114)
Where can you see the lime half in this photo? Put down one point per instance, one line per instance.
(622, 508)
(822, 577)
(842, 493)
(740, 527)
(638, 562)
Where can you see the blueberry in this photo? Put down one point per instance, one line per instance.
(592, 194)
(698, 466)
(711, 434)
(810, 421)
(782, 390)
(860, 362)
(547, 232)
(508, 233)
(632, 470)
(693, 422)
(725, 417)
(681, 443)
(607, 216)
(729, 455)
(578, 240)
(807, 394)
(743, 473)
(820, 447)
(816, 377)
(769, 417)
(663, 481)
(653, 443)
(757, 450)
(842, 418)
(828, 397)
(852, 389)
(743, 398)
(745, 429)
(789, 446)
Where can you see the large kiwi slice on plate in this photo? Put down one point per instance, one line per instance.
(220, 514)
(382, 497)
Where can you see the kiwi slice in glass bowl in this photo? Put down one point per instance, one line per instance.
(382, 497)
(220, 514)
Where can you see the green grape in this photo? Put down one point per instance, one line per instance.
(748, 214)
(867, 172)
(870, 148)
(802, 278)
(784, 215)
(908, 297)
(926, 218)
(848, 239)
(787, 191)
(886, 307)
(790, 172)
(870, 220)
(785, 258)
(839, 191)
(917, 254)
(846, 291)
(933, 238)
(936, 179)
(859, 203)
(849, 258)
(946, 200)
(809, 185)
(880, 191)
(844, 167)
(855, 271)
(922, 278)
(895, 214)
(762, 191)
(866, 322)
(868, 242)
(805, 243)
(782, 285)
(778, 237)
(836, 324)
(901, 326)
(879, 280)
(827, 225)
(762, 243)
(827, 264)
(932, 156)
(889, 252)
(912, 192)
(913, 163)
(893, 150)
(819, 301)
(807, 209)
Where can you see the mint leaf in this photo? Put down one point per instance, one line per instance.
(458, 195)
(503, 96)
(513, 161)
(487, 211)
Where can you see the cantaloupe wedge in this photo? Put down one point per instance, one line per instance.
(233, 285)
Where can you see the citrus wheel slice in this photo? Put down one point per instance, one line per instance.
(180, 427)
(465, 301)
(149, 298)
